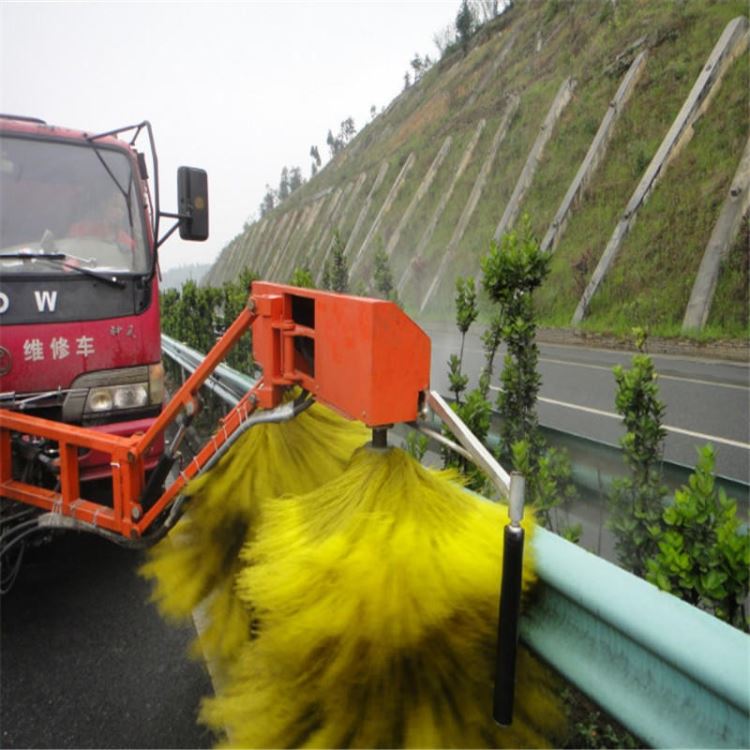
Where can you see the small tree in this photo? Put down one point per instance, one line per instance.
(466, 313)
(491, 340)
(234, 299)
(336, 270)
(417, 66)
(512, 272)
(703, 556)
(444, 39)
(269, 201)
(465, 24)
(416, 444)
(295, 179)
(383, 277)
(475, 412)
(316, 160)
(302, 277)
(348, 131)
(283, 191)
(334, 144)
(637, 502)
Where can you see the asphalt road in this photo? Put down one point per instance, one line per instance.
(705, 399)
(87, 662)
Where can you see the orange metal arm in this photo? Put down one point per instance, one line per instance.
(362, 357)
(228, 426)
(125, 517)
(184, 398)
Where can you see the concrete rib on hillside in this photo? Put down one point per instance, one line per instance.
(272, 244)
(476, 193)
(326, 219)
(302, 227)
(733, 41)
(563, 96)
(440, 208)
(273, 231)
(387, 203)
(424, 186)
(322, 239)
(285, 240)
(250, 241)
(283, 264)
(241, 254)
(736, 206)
(595, 154)
(341, 221)
(315, 209)
(366, 207)
(491, 73)
(256, 250)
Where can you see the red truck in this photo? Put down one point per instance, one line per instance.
(79, 298)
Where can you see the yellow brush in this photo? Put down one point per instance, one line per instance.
(375, 597)
(200, 557)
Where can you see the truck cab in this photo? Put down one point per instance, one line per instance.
(80, 334)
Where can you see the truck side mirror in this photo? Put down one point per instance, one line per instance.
(192, 201)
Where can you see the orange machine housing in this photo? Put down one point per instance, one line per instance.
(363, 357)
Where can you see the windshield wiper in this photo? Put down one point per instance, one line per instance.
(65, 260)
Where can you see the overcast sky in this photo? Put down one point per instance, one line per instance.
(239, 89)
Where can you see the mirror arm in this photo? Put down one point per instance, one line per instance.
(168, 215)
(162, 240)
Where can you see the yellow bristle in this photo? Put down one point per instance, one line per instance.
(200, 557)
(376, 599)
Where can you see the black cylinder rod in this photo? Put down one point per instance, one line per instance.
(510, 606)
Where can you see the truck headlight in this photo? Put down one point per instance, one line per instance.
(99, 399)
(117, 390)
(117, 397)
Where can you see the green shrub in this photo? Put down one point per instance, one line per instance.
(637, 502)
(703, 555)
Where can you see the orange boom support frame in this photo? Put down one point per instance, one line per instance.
(363, 357)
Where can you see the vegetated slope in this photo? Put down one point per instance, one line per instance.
(429, 179)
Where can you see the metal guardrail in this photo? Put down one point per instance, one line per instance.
(226, 382)
(671, 674)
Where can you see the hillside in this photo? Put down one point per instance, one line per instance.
(502, 131)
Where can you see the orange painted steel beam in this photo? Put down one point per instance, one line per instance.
(228, 426)
(184, 398)
(362, 357)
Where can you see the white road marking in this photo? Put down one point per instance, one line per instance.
(668, 428)
(552, 360)
(697, 381)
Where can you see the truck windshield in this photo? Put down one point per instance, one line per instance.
(76, 200)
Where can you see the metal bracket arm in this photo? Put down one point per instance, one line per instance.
(477, 452)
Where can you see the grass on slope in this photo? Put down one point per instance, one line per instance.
(670, 73)
(650, 283)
